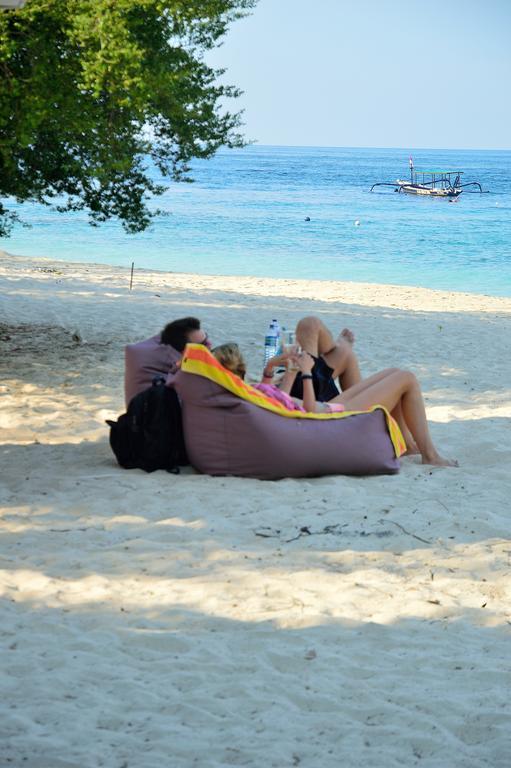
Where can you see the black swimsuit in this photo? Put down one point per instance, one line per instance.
(325, 388)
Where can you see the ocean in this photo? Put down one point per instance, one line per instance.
(246, 214)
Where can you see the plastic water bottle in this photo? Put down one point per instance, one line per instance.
(278, 330)
(271, 341)
(282, 339)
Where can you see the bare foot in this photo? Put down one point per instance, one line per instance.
(412, 450)
(347, 335)
(439, 461)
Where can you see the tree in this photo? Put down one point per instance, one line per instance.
(92, 92)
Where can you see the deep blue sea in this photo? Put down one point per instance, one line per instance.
(245, 214)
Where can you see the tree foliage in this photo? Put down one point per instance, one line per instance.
(94, 91)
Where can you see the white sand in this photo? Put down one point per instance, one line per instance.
(155, 620)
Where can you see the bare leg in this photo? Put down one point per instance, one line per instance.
(412, 448)
(397, 412)
(365, 384)
(315, 338)
(399, 388)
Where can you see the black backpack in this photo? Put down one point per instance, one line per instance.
(149, 435)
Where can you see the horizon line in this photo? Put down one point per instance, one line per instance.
(254, 142)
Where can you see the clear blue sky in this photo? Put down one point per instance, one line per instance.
(374, 73)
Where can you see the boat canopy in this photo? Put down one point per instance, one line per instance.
(437, 173)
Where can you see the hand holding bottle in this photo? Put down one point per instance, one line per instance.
(292, 349)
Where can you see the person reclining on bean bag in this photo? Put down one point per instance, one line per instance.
(159, 355)
(231, 428)
(399, 391)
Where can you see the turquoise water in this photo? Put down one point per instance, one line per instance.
(245, 215)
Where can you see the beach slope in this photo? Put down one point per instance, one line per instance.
(162, 620)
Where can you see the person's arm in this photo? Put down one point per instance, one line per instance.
(287, 380)
(309, 396)
(306, 364)
(272, 363)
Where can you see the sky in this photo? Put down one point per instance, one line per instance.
(373, 73)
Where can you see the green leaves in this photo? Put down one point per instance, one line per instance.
(89, 89)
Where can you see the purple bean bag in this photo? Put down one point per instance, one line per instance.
(226, 435)
(145, 360)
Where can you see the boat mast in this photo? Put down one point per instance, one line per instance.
(411, 170)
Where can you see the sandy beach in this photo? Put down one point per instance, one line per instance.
(160, 620)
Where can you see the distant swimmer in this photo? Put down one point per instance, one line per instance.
(357, 223)
(307, 218)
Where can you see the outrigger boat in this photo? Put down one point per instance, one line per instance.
(433, 183)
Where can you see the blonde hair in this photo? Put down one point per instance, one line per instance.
(230, 357)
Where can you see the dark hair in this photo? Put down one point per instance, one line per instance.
(176, 332)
